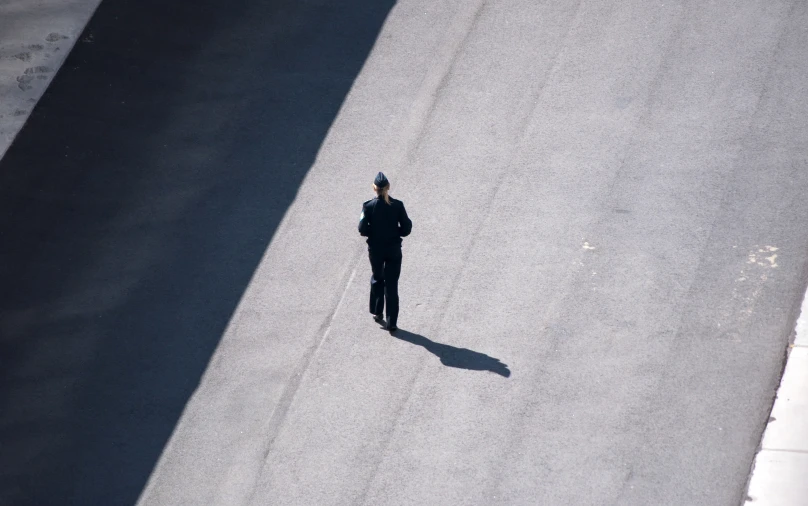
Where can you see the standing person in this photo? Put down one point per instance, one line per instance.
(384, 222)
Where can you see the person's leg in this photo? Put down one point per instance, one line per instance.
(376, 283)
(392, 270)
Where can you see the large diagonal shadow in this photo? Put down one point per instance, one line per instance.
(134, 208)
(451, 356)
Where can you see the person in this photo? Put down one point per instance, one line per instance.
(384, 222)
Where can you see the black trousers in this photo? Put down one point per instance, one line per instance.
(386, 266)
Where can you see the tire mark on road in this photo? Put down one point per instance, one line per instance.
(576, 272)
(399, 148)
(517, 147)
(292, 387)
(412, 126)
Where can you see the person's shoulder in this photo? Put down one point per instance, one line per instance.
(396, 202)
(368, 202)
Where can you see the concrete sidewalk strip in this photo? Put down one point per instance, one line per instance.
(801, 338)
(781, 465)
(35, 39)
(779, 479)
(788, 425)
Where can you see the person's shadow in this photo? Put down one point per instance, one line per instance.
(456, 357)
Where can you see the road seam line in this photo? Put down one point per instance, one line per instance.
(784, 450)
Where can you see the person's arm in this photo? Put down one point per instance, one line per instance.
(364, 223)
(404, 223)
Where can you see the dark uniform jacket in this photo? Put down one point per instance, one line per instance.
(384, 225)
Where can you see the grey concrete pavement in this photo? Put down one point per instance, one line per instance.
(606, 263)
(35, 38)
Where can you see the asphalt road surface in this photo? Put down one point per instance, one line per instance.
(607, 258)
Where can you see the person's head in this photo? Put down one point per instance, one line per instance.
(382, 186)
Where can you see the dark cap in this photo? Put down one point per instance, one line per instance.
(381, 180)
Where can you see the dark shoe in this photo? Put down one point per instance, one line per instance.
(378, 318)
(391, 327)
